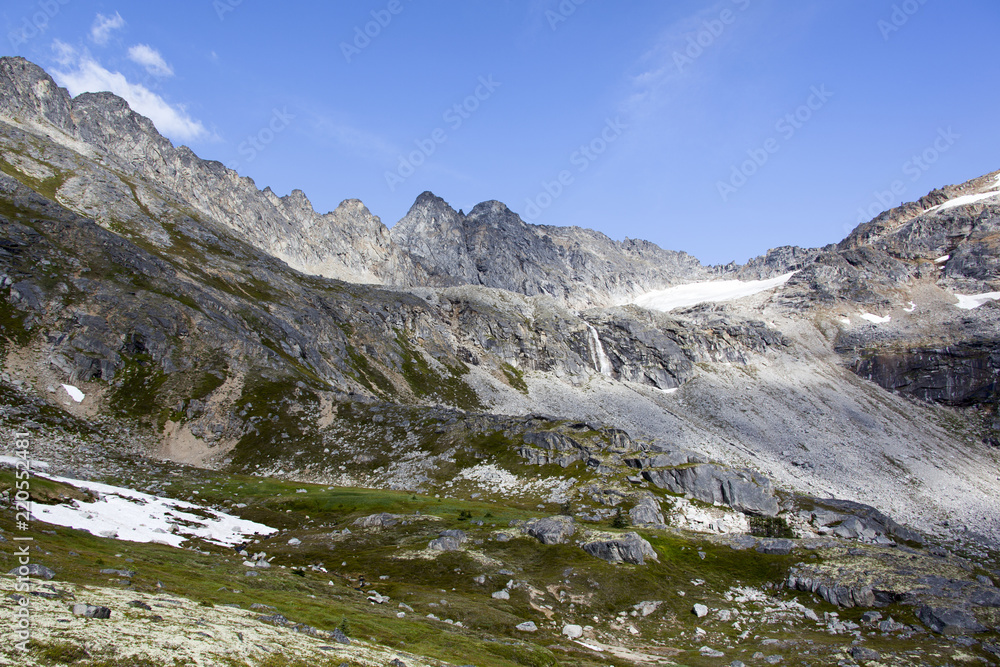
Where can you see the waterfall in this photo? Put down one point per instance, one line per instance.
(597, 357)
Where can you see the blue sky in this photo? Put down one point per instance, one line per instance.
(721, 129)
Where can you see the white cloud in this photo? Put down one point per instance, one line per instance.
(103, 26)
(87, 75)
(151, 59)
(64, 53)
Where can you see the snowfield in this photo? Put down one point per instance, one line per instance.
(973, 301)
(965, 200)
(682, 296)
(134, 516)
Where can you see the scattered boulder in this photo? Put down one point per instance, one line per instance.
(646, 511)
(338, 636)
(573, 631)
(383, 520)
(743, 490)
(700, 610)
(501, 595)
(90, 611)
(709, 652)
(449, 540)
(629, 548)
(946, 621)
(860, 653)
(527, 626)
(33, 570)
(139, 604)
(775, 547)
(834, 593)
(125, 574)
(551, 530)
(647, 607)
(294, 542)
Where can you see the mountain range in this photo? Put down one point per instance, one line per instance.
(473, 355)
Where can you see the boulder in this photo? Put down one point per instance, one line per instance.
(527, 626)
(33, 570)
(743, 490)
(501, 595)
(861, 653)
(573, 631)
(552, 530)
(646, 511)
(90, 611)
(629, 548)
(775, 547)
(946, 621)
(449, 540)
(383, 520)
(700, 610)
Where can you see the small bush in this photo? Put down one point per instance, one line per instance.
(770, 526)
(620, 520)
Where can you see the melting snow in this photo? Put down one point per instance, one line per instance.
(846, 320)
(912, 307)
(692, 294)
(133, 516)
(971, 301)
(875, 319)
(964, 200)
(942, 260)
(74, 393)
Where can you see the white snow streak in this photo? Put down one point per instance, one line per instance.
(965, 200)
(875, 319)
(692, 294)
(972, 301)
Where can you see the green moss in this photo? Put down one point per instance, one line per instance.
(515, 378)
(12, 329)
(426, 383)
(368, 375)
(137, 388)
(45, 187)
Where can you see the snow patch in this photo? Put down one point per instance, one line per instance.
(134, 516)
(972, 301)
(875, 319)
(74, 393)
(965, 200)
(942, 260)
(691, 294)
(13, 462)
(845, 321)
(912, 308)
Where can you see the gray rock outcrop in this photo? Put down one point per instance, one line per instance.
(629, 548)
(744, 490)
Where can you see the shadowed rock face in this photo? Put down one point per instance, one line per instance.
(744, 490)
(963, 374)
